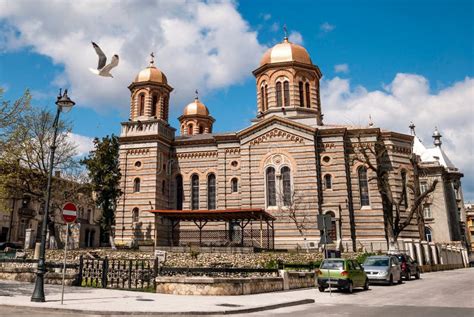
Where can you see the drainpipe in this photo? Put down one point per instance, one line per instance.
(350, 202)
(318, 177)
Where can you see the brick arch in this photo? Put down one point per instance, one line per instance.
(287, 159)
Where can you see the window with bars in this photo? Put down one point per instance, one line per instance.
(301, 93)
(135, 214)
(428, 234)
(286, 183)
(136, 185)
(154, 105)
(195, 192)
(404, 188)
(279, 95)
(308, 96)
(179, 192)
(328, 181)
(271, 190)
(234, 184)
(286, 88)
(211, 192)
(141, 109)
(423, 187)
(363, 187)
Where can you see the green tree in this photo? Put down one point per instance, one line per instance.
(24, 161)
(104, 173)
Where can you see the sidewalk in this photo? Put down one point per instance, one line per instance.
(106, 301)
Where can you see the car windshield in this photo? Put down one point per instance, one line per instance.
(376, 262)
(333, 265)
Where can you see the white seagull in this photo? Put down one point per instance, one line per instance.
(102, 69)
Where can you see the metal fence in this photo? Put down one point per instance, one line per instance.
(224, 238)
(118, 273)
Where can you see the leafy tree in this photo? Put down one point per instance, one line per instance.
(10, 113)
(104, 173)
(24, 161)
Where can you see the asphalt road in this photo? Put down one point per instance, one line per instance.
(448, 293)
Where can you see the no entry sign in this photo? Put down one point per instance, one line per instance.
(69, 212)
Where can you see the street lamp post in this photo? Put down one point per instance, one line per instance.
(64, 104)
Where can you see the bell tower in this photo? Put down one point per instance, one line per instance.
(145, 155)
(288, 84)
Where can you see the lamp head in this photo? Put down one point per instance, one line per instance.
(64, 102)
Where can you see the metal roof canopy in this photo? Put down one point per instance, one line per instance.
(215, 215)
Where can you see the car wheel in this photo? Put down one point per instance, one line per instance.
(417, 275)
(390, 280)
(321, 289)
(366, 284)
(408, 275)
(350, 287)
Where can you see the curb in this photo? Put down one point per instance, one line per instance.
(150, 313)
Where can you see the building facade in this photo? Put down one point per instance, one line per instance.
(288, 162)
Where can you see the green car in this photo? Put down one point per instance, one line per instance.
(342, 274)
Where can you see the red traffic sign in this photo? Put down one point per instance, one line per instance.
(69, 212)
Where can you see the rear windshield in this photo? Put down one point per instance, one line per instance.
(376, 262)
(333, 265)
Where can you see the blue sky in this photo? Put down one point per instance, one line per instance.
(387, 52)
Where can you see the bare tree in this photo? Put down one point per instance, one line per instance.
(375, 157)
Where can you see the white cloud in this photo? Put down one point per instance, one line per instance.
(203, 45)
(326, 27)
(83, 143)
(275, 27)
(267, 16)
(296, 37)
(341, 68)
(408, 98)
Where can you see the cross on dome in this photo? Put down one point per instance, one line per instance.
(285, 30)
(152, 59)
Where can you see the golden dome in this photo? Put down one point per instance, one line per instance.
(196, 108)
(286, 52)
(151, 73)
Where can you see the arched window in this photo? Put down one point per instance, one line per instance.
(363, 187)
(428, 234)
(211, 192)
(141, 108)
(301, 93)
(262, 98)
(135, 214)
(234, 184)
(279, 96)
(266, 97)
(328, 181)
(136, 185)
(179, 192)
(154, 105)
(404, 188)
(332, 230)
(286, 183)
(286, 88)
(190, 129)
(201, 129)
(195, 192)
(308, 96)
(271, 190)
(165, 108)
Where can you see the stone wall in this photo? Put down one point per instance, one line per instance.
(217, 286)
(28, 274)
(301, 280)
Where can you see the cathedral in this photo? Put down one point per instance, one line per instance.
(262, 186)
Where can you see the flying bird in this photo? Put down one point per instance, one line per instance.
(102, 69)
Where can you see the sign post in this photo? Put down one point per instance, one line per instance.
(69, 215)
(324, 221)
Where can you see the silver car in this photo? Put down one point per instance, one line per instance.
(383, 268)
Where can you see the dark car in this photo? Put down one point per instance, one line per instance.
(409, 266)
(9, 246)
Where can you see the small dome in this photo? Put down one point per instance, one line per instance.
(196, 108)
(151, 73)
(286, 52)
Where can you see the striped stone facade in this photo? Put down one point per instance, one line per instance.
(287, 134)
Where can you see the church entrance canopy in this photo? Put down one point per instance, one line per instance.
(240, 228)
